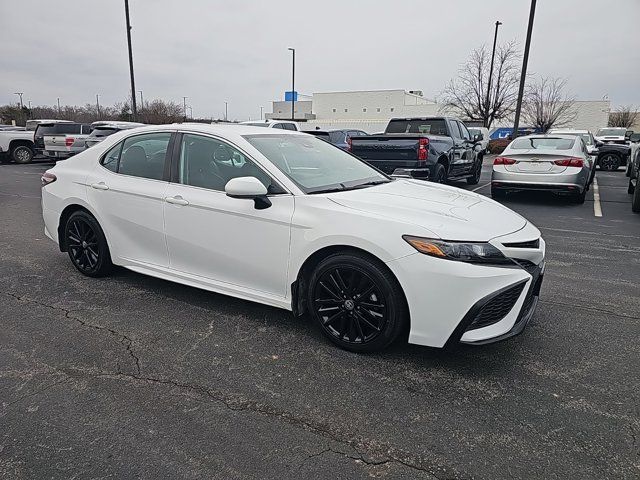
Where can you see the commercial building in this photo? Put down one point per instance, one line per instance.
(370, 110)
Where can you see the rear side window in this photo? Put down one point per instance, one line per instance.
(278, 125)
(433, 126)
(289, 126)
(524, 143)
(139, 156)
(102, 132)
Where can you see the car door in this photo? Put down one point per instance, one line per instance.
(223, 239)
(468, 153)
(127, 190)
(457, 162)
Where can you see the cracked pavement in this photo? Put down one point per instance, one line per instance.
(134, 377)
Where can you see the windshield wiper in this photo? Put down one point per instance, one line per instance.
(343, 187)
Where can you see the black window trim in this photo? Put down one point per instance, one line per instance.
(167, 156)
(174, 176)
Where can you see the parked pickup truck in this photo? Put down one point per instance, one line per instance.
(16, 145)
(55, 127)
(64, 145)
(433, 148)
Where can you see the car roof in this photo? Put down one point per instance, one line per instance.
(116, 124)
(558, 131)
(223, 129)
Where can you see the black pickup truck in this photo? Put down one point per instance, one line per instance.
(433, 148)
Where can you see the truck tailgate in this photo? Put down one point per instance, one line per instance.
(385, 148)
(58, 143)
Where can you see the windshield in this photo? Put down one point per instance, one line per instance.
(103, 132)
(257, 124)
(544, 143)
(433, 127)
(315, 165)
(57, 129)
(606, 132)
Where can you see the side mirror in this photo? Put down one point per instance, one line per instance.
(599, 144)
(248, 187)
(478, 137)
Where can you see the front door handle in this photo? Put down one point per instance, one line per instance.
(100, 186)
(177, 200)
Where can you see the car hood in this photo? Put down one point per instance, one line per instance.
(450, 213)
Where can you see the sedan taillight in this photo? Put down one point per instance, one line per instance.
(504, 161)
(47, 178)
(570, 162)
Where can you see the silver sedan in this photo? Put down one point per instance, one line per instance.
(556, 163)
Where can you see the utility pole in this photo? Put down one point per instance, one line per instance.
(226, 111)
(523, 74)
(184, 107)
(20, 95)
(98, 104)
(493, 54)
(134, 109)
(59, 106)
(141, 100)
(261, 110)
(293, 82)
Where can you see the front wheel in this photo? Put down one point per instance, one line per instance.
(87, 245)
(356, 302)
(22, 154)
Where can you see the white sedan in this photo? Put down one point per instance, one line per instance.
(288, 220)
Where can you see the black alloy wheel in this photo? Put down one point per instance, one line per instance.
(86, 245)
(439, 174)
(475, 178)
(357, 304)
(609, 161)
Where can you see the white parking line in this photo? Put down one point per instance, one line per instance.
(597, 209)
(481, 186)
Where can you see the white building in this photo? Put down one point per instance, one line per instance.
(370, 110)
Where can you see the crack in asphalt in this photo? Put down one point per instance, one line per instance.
(124, 339)
(386, 455)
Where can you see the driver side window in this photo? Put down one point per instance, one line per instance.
(210, 163)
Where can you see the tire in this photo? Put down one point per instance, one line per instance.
(438, 174)
(579, 198)
(22, 154)
(630, 188)
(475, 178)
(497, 193)
(86, 245)
(635, 200)
(4, 158)
(335, 295)
(609, 161)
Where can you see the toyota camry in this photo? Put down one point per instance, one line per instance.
(288, 220)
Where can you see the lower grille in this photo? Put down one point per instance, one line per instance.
(497, 308)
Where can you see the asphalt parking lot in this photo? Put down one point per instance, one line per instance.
(129, 376)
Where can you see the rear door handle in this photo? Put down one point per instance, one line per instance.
(100, 186)
(177, 200)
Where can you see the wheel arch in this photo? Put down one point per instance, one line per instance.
(444, 160)
(67, 211)
(20, 142)
(300, 285)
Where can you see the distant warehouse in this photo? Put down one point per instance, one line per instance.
(370, 110)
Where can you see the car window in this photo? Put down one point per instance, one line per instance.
(210, 163)
(428, 126)
(464, 131)
(455, 130)
(337, 137)
(110, 160)
(100, 132)
(144, 155)
(544, 143)
(289, 126)
(278, 125)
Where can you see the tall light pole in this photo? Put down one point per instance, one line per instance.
(134, 109)
(190, 111)
(226, 111)
(293, 82)
(20, 95)
(59, 106)
(493, 54)
(184, 107)
(261, 110)
(98, 104)
(523, 74)
(141, 100)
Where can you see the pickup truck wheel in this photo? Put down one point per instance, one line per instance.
(22, 154)
(635, 200)
(475, 178)
(609, 161)
(630, 188)
(439, 174)
(4, 158)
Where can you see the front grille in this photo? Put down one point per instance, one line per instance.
(530, 244)
(497, 308)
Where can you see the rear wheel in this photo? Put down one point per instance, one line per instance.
(579, 198)
(356, 302)
(497, 193)
(439, 174)
(22, 154)
(635, 200)
(87, 245)
(630, 188)
(609, 161)
(475, 178)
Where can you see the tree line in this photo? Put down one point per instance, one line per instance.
(546, 102)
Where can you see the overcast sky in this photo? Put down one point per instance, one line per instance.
(212, 51)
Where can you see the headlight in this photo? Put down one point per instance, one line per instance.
(459, 251)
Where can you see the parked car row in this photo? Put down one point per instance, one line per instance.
(56, 139)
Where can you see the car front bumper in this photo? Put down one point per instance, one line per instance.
(574, 180)
(446, 298)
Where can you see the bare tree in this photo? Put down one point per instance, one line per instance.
(624, 116)
(546, 105)
(467, 94)
(160, 111)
